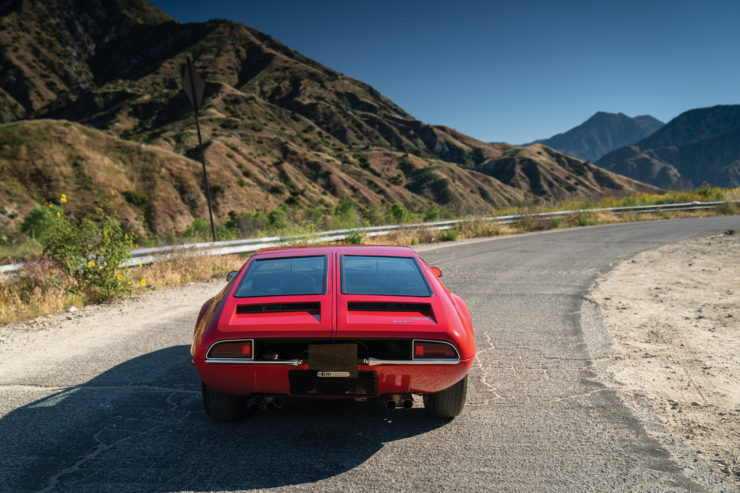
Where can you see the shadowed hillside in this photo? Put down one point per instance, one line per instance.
(601, 133)
(701, 145)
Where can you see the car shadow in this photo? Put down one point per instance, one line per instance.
(141, 426)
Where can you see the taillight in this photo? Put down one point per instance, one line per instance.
(231, 349)
(432, 349)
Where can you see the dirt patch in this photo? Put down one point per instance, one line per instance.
(674, 316)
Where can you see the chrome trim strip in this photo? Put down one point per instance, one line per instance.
(244, 361)
(428, 361)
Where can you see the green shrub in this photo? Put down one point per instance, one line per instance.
(200, 229)
(708, 193)
(92, 251)
(449, 234)
(39, 220)
(397, 213)
(355, 237)
(135, 198)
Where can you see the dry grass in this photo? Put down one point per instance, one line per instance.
(41, 288)
(481, 228)
(181, 269)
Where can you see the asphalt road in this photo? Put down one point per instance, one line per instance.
(124, 413)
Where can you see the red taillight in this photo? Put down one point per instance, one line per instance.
(233, 349)
(430, 349)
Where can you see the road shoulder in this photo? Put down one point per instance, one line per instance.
(673, 319)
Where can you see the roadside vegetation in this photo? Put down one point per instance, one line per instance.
(73, 261)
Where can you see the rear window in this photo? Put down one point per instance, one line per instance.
(284, 277)
(388, 276)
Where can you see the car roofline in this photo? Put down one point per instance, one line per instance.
(290, 251)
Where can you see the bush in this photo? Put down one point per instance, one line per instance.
(199, 230)
(727, 209)
(449, 234)
(708, 193)
(397, 213)
(532, 222)
(92, 251)
(38, 222)
(355, 237)
(136, 199)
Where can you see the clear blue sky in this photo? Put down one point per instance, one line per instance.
(513, 71)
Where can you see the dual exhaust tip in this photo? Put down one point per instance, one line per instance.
(399, 401)
(269, 403)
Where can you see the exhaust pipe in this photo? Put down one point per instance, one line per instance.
(273, 402)
(399, 401)
(255, 404)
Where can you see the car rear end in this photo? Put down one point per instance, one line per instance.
(334, 322)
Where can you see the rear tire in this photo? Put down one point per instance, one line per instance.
(447, 403)
(222, 407)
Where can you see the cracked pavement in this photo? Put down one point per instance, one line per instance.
(108, 401)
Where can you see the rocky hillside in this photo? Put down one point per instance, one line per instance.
(552, 175)
(602, 133)
(701, 145)
(278, 127)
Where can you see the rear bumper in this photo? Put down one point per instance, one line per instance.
(272, 378)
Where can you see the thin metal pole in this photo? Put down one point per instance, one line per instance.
(203, 161)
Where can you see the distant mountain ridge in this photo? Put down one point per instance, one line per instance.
(602, 133)
(279, 128)
(700, 145)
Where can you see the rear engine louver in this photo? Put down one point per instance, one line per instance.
(361, 306)
(278, 308)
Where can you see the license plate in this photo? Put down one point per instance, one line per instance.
(333, 360)
(333, 374)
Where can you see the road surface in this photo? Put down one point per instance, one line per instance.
(109, 401)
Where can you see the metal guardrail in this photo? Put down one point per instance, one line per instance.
(149, 255)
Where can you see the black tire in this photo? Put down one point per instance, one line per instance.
(222, 407)
(447, 403)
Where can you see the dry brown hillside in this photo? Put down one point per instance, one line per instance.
(278, 127)
(553, 175)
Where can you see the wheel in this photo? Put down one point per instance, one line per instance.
(447, 403)
(222, 407)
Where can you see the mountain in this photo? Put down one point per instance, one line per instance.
(554, 176)
(101, 76)
(601, 133)
(700, 145)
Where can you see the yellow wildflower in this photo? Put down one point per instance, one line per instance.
(63, 200)
(112, 192)
(119, 276)
(91, 263)
(143, 282)
(139, 264)
(59, 214)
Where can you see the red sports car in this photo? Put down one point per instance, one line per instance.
(336, 322)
